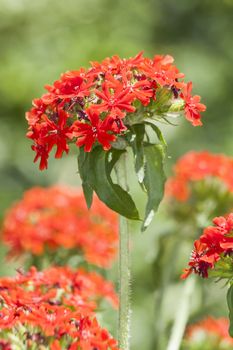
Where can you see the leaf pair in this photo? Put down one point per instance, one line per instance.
(95, 170)
(149, 158)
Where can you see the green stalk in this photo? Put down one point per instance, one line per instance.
(182, 315)
(124, 266)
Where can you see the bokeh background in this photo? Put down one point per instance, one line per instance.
(41, 39)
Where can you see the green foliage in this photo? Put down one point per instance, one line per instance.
(154, 180)
(230, 307)
(95, 172)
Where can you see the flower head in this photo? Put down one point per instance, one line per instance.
(201, 188)
(197, 166)
(209, 331)
(57, 218)
(213, 250)
(95, 106)
(53, 307)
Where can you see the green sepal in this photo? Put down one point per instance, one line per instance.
(154, 180)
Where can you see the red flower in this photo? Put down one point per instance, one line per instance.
(177, 188)
(51, 131)
(115, 64)
(161, 70)
(98, 130)
(55, 306)
(193, 107)
(58, 132)
(210, 329)
(215, 243)
(39, 108)
(117, 102)
(141, 89)
(57, 218)
(196, 166)
(42, 154)
(112, 89)
(72, 84)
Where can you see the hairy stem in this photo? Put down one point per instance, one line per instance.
(182, 315)
(124, 266)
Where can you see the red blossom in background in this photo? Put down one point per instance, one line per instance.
(215, 329)
(50, 218)
(196, 166)
(215, 243)
(112, 89)
(56, 306)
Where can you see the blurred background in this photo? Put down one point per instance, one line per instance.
(41, 39)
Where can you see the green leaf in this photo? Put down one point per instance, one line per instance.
(138, 150)
(154, 180)
(120, 143)
(97, 166)
(112, 157)
(88, 194)
(84, 168)
(157, 131)
(230, 307)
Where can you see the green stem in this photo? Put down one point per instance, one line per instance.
(182, 315)
(168, 248)
(124, 266)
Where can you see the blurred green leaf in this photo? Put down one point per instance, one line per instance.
(230, 307)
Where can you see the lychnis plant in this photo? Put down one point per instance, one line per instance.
(107, 110)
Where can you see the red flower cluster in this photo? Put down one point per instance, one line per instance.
(196, 166)
(210, 328)
(215, 244)
(56, 306)
(89, 106)
(57, 217)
